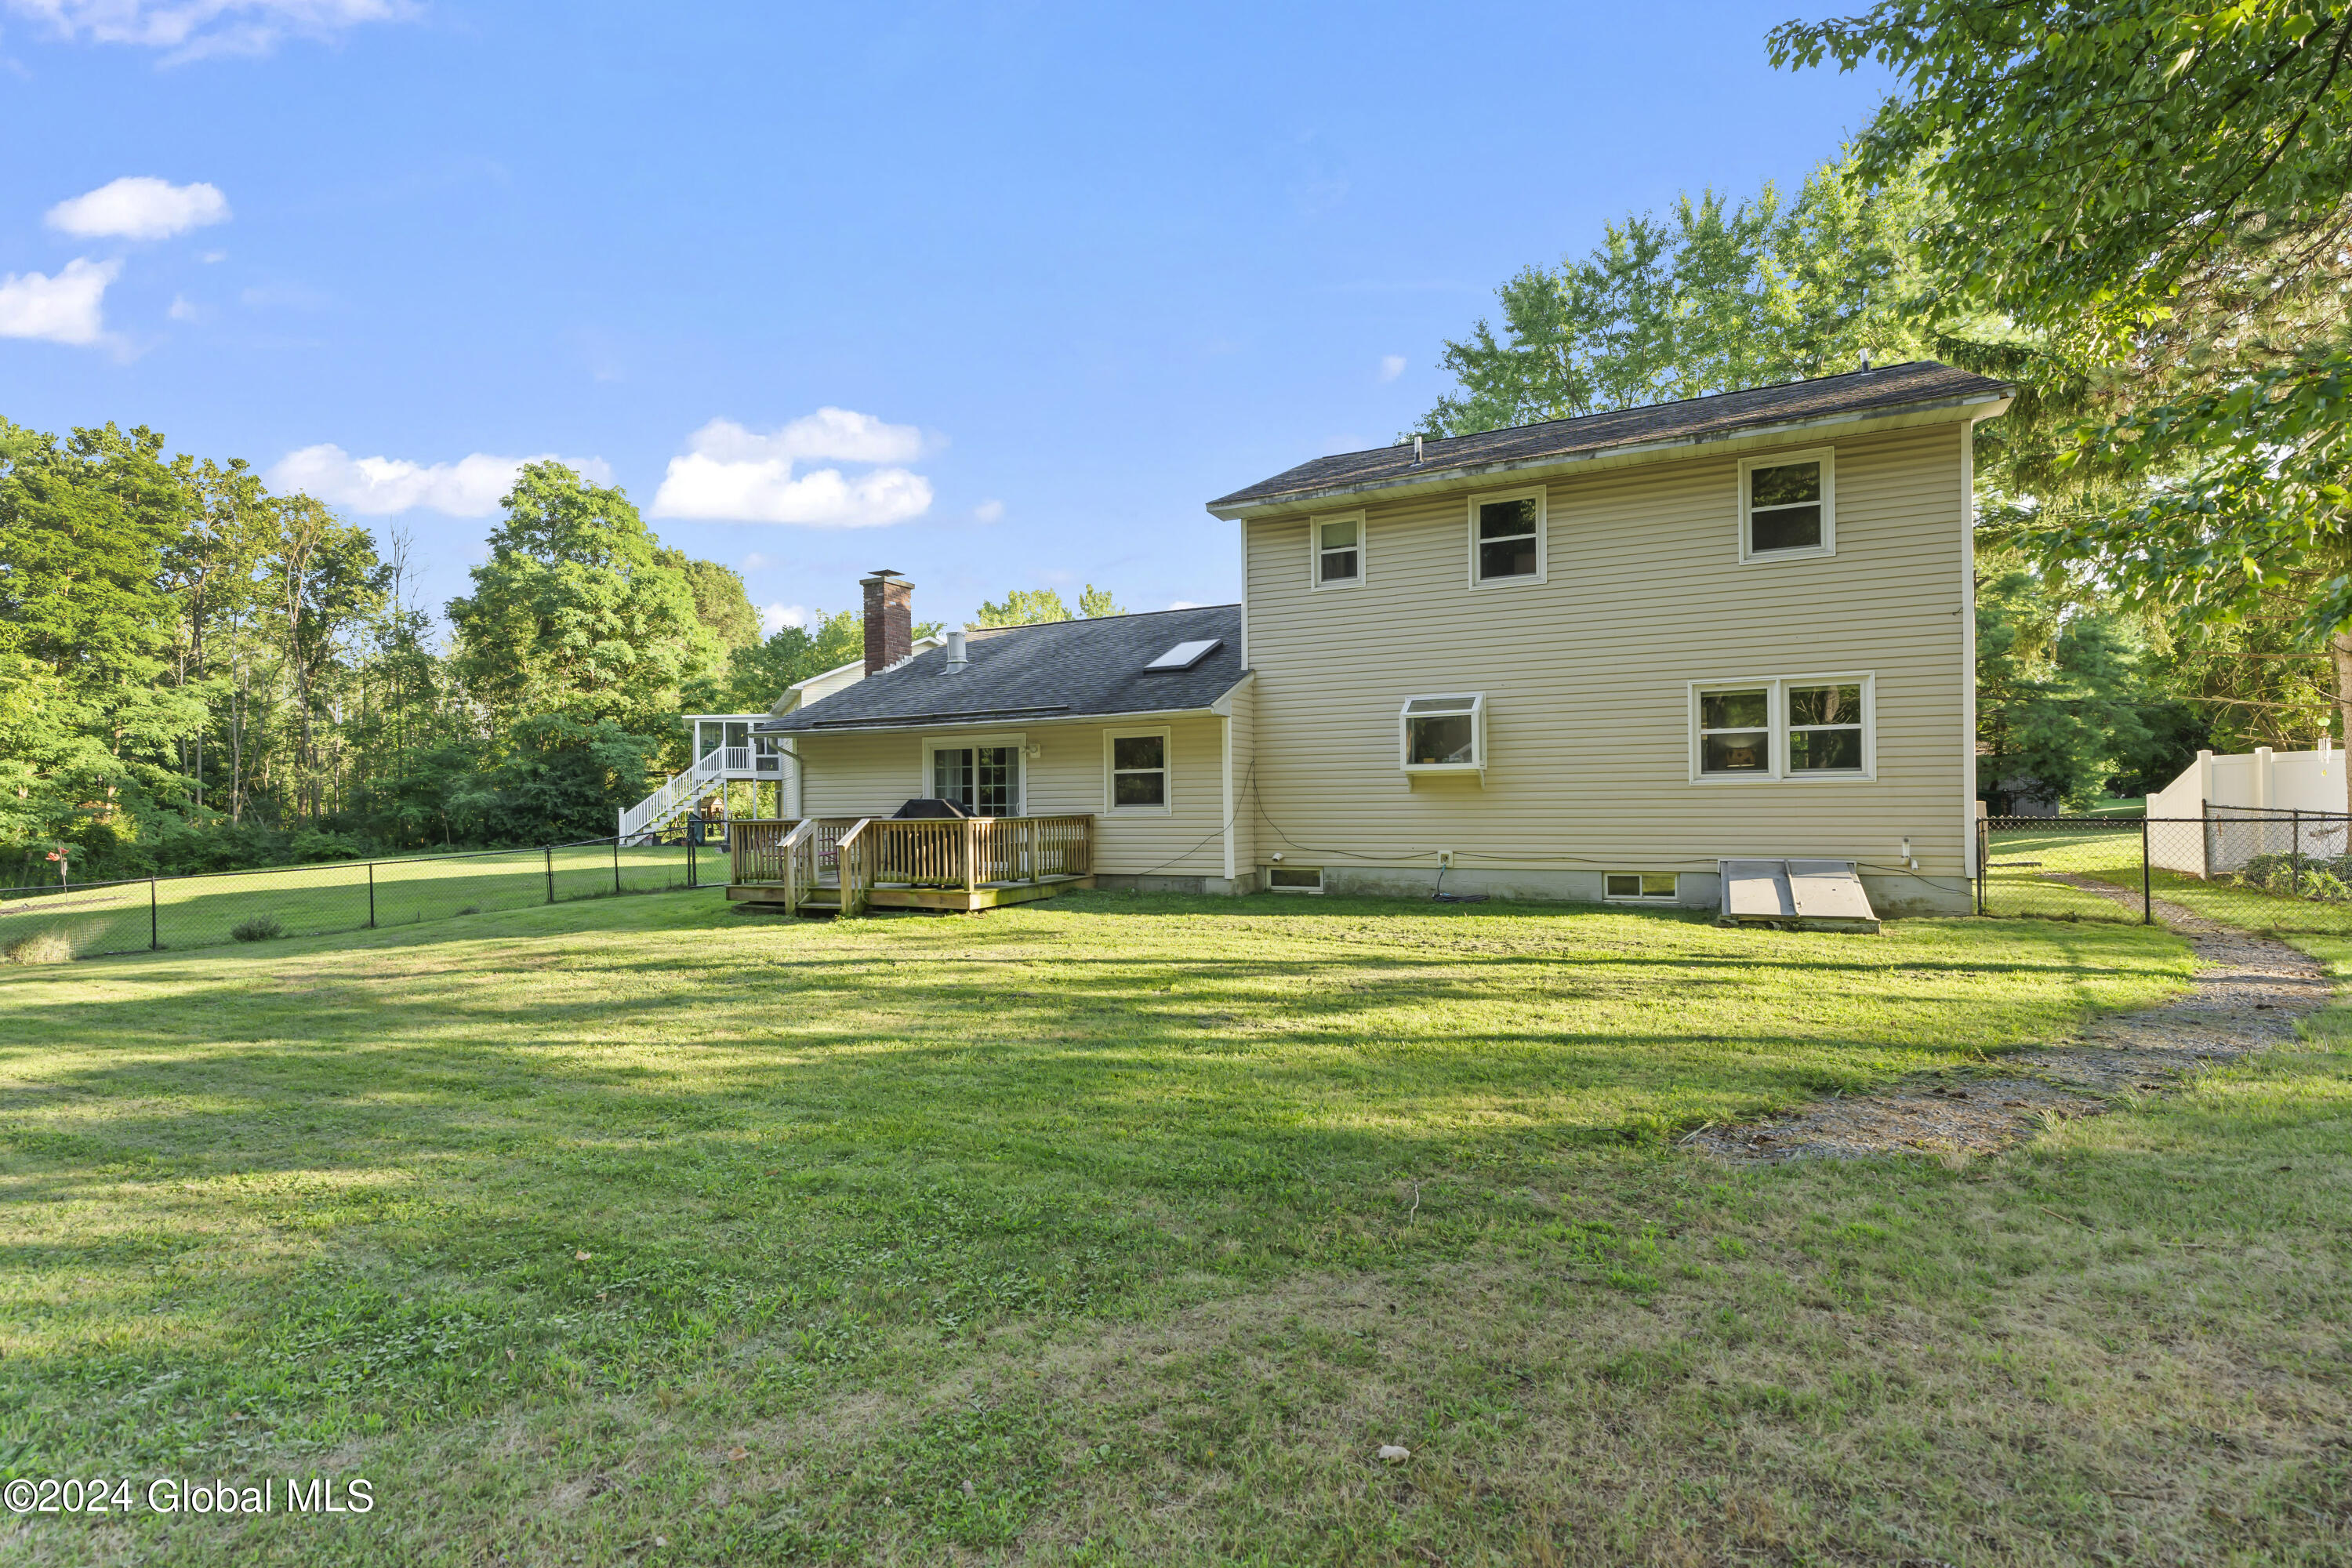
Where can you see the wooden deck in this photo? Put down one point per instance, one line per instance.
(845, 866)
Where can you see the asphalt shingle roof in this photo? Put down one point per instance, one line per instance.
(1063, 669)
(1697, 419)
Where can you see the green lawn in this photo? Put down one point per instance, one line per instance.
(1124, 1230)
(309, 900)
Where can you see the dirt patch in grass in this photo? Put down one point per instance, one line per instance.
(2248, 991)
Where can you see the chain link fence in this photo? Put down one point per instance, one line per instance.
(2265, 870)
(86, 920)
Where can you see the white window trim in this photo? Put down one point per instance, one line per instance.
(1296, 871)
(1776, 719)
(1477, 701)
(1536, 493)
(1665, 897)
(1827, 457)
(1017, 739)
(1315, 550)
(1167, 806)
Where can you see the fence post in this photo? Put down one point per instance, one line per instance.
(689, 857)
(1984, 839)
(616, 863)
(371, 895)
(152, 942)
(2146, 910)
(2294, 856)
(549, 850)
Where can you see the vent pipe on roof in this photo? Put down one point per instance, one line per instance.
(956, 656)
(1416, 451)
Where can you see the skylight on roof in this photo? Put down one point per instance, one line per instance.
(1185, 655)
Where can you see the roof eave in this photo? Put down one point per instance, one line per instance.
(1924, 411)
(889, 726)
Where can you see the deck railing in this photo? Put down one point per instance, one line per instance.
(858, 855)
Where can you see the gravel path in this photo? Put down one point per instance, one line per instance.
(2250, 990)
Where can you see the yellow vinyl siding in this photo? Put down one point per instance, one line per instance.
(1587, 673)
(856, 774)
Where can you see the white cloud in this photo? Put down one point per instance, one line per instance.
(210, 257)
(829, 433)
(1391, 366)
(139, 206)
(378, 487)
(66, 309)
(1184, 604)
(185, 310)
(755, 561)
(989, 511)
(189, 29)
(776, 617)
(732, 474)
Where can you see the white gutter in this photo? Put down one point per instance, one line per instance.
(1932, 411)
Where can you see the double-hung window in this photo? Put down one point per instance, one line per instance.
(1337, 546)
(1787, 506)
(1135, 767)
(1825, 727)
(1787, 728)
(1506, 537)
(984, 780)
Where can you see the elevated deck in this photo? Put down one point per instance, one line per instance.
(845, 866)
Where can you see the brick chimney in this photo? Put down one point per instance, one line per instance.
(889, 619)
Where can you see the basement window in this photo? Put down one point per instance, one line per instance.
(1294, 878)
(1444, 734)
(1654, 887)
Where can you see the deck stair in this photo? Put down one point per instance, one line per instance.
(661, 810)
(847, 865)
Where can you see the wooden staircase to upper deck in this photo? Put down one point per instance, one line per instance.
(847, 865)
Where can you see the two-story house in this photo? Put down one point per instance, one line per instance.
(1593, 658)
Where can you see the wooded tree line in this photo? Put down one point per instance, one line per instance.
(195, 673)
(2136, 212)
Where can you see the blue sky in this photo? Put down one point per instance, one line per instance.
(1060, 274)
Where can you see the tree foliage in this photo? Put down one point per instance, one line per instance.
(196, 674)
(1715, 296)
(2158, 189)
(1034, 607)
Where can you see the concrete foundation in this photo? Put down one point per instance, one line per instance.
(1891, 894)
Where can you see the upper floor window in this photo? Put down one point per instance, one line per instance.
(1337, 544)
(1788, 505)
(1506, 537)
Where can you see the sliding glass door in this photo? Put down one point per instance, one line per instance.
(984, 780)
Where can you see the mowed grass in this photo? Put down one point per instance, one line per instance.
(309, 900)
(1125, 1229)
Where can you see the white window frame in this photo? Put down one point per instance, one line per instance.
(1477, 701)
(1776, 704)
(1314, 891)
(1827, 457)
(1674, 891)
(1539, 494)
(1315, 550)
(1017, 740)
(1167, 806)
